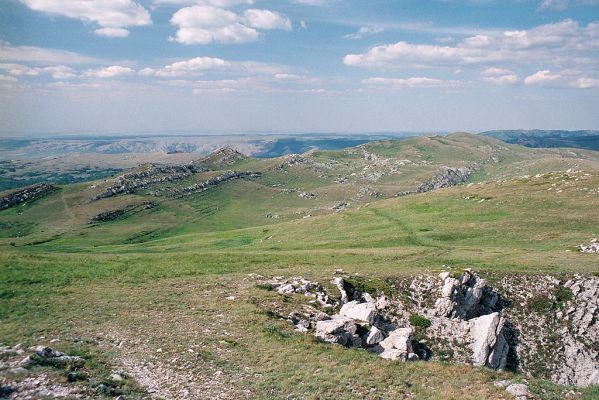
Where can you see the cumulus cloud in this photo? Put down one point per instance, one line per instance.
(564, 79)
(203, 24)
(565, 42)
(198, 65)
(266, 19)
(542, 78)
(414, 82)
(55, 71)
(112, 32)
(109, 72)
(507, 79)
(106, 13)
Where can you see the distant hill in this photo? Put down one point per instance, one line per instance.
(550, 139)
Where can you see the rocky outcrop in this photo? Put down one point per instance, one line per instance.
(537, 325)
(444, 178)
(131, 182)
(214, 181)
(21, 377)
(591, 247)
(25, 195)
(113, 215)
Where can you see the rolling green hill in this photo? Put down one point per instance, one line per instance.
(170, 269)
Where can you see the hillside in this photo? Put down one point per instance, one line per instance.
(159, 272)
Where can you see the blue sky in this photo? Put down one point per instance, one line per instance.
(212, 66)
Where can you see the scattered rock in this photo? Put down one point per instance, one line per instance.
(27, 194)
(591, 247)
(519, 391)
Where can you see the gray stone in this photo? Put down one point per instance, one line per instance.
(375, 336)
(519, 391)
(400, 339)
(362, 312)
(339, 330)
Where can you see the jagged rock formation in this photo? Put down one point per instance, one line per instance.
(536, 325)
(447, 177)
(444, 178)
(214, 181)
(115, 214)
(131, 182)
(224, 156)
(24, 195)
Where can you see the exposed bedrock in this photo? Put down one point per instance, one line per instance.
(536, 325)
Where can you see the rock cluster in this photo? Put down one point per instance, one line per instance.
(536, 325)
(131, 182)
(19, 379)
(591, 247)
(24, 195)
(115, 214)
(214, 181)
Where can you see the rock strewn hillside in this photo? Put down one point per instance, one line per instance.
(537, 325)
(21, 196)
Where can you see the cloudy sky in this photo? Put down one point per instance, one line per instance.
(211, 66)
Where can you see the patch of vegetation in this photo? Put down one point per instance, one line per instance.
(369, 285)
(563, 294)
(278, 332)
(418, 321)
(539, 304)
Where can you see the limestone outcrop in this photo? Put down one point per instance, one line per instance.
(25, 195)
(539, 326)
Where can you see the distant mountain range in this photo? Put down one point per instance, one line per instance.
(585, 139)
(256, 145)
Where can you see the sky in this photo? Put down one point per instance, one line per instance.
(234, 66)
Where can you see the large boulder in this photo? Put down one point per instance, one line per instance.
(374, 336)
(398, 345)
(339, 329)
(362, 312)
(489, 347)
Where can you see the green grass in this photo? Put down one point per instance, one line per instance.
(164, 274)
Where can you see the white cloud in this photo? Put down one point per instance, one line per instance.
(7, 78)
(364, 31)
(194, 66)
(203, 24)
(560, 43)
(266, 19)
(561, 5)
(414, 82)
(542, 78)
(563, 79)
(215, 3)
(108, 72)
(42, 55)
(586, 83)
(112, 32)
(56, 72)
(494, 71)
(508, 79)
(199, 65)
(106, 13)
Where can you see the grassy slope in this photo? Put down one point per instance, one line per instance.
(95, 283)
